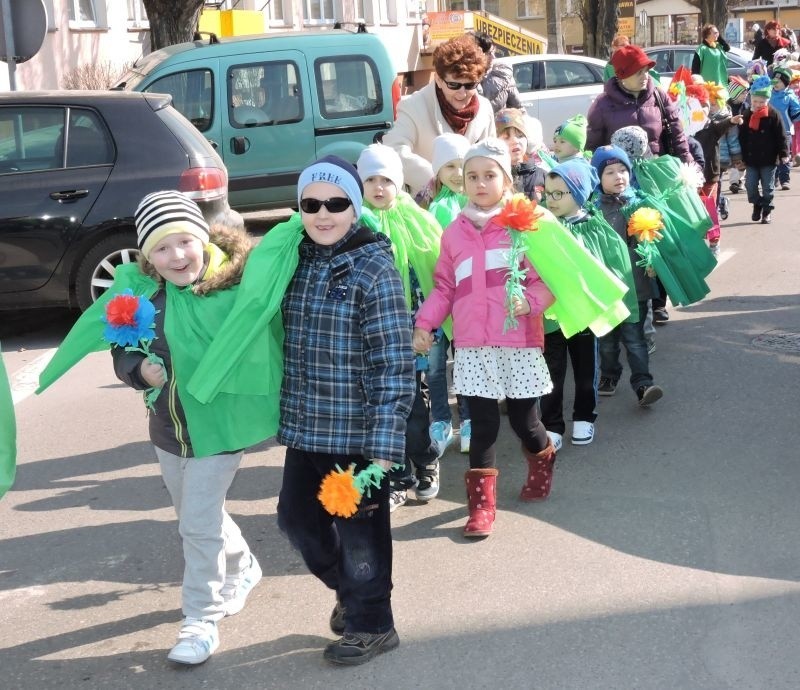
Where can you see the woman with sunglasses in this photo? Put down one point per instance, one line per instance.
(450, 103)
(348, 387)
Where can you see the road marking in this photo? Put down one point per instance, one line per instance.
(25, 381)
(724, 255)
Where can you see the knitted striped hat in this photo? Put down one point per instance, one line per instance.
(167, 213)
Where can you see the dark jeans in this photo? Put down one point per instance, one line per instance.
(660, 300)
(419, 449)
(631, 335)
(523, 415)
(766, 176)
(352, 556)
(582, 351)
(782, 172)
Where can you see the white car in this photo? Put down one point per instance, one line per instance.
(554, 87)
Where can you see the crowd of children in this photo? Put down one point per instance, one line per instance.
(354, 306)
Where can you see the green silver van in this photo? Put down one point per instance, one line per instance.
(271, 104)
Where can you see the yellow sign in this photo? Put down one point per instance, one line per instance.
(515, 42)
(442, 26)
(626, 10)
(627, 26)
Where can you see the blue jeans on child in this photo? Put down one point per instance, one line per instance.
(420, 451)
(764, 175)
(437, 384)
(631, 335)
(352, 556)
(783, 168)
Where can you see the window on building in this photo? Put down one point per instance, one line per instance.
(348, 87)
(319, 12)
(137, 15)
(276, 13)
(492, 6)
(527, 9)
(388, 12)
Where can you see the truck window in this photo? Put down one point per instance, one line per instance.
(267, 93)
(348, 86)
(192, 95)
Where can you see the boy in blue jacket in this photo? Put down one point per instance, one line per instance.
(786, 103)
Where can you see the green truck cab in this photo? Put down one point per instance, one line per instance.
(273, 103)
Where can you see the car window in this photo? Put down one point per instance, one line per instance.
(523, 75)
(89, 142)
(348, 86)
(30, 138)
(663, 60)
(684, 57)
(734, 63)
(192, 95)
(266, 93)
(563, 73)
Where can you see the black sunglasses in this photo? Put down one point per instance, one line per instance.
(335, 204)
(456, 85)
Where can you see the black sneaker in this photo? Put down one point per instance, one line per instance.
(735, 187)
(648, 394)
(660, 315)
(607, 386)
(427, 487)
(767, 217)
(358, 648)
(337, 618)
(756, 213)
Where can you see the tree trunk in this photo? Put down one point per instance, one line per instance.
(713, 12)
(555, 37)
(600, 25)
(172, 21)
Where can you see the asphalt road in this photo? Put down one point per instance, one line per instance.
(668, 555)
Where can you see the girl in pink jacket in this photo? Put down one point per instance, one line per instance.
(470, 280)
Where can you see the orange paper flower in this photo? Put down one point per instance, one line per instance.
(645, 224)
(519, 214)
(339, 494)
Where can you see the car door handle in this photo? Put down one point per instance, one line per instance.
(213, 143)
(240, 145)
(71, 195)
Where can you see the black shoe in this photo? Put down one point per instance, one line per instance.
(337, 618)
(756, 213)
(767, 217)
(724, 208)
(607, 386)
(648, 395)
(785, 186)
(660, 316)
(358, 648)
(735, 187)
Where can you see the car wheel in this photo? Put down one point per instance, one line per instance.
(96, 271)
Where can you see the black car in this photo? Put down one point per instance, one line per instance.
(74, 166)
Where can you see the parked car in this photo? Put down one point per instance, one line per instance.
(74, 166)
(553, 87)
(669, 58)
(271, 104)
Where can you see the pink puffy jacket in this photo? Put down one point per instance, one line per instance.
(470, 283)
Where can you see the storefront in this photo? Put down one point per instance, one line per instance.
(666, 22)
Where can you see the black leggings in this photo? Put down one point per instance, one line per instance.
(523, 415)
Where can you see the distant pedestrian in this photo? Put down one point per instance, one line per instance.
(770, 43)
(498, 85)
(491, 362)
(710, 60)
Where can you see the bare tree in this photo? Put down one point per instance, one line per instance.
(172, 21)
(599, 26)
(713, 12)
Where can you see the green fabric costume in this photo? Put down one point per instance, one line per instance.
(713, 64)
(588, 295)
(228, 369)
(446, 205)
(8, 433)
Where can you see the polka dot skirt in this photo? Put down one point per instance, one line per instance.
(494, 372)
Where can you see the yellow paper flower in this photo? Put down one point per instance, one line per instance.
(645, 224)
(338, 492)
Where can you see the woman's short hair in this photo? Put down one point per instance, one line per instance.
(707, 29)
(620, 40)
(772, 24)
(461, 58)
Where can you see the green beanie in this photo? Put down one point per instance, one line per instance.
(573, 131)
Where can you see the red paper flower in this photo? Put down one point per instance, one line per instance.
(519, 214)
(121, 310)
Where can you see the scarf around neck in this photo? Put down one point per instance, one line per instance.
(479, 217)
(457, 119)
(756, 115)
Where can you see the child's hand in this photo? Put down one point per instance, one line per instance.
(785, 160)
(737, 120)
(422, 341)
(153, 374)
(520, 307)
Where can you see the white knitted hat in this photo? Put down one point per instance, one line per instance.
(379, 159)
(493, 148)
(448, 147)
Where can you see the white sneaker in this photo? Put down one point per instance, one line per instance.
(235, 591)
(582, 433)
(397, 498)
(197, 640)
(441, 436)
(465, 434)
(556, 439)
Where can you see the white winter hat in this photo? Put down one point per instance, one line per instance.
(493, 148)
(448, 147)
(379, 159)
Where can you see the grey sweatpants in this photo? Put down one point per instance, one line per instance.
(213, 545)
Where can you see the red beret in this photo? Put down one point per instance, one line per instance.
(628, 60)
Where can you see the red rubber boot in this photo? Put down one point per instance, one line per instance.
(481, 501)
(540, 473)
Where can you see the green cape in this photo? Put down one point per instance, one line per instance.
(588, 295)
(243, 375)
(8, 433)
(674, 257)
(446, 205)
